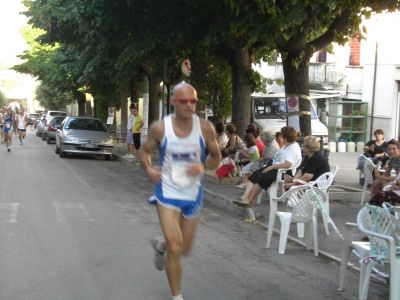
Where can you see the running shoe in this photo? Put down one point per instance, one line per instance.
(159, 256)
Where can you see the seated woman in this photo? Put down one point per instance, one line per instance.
(270, 150)
(287, 157)
(314, 164)
(235, 143)
(222, 138)
(376, 150)
(255, 131)
(249, 155)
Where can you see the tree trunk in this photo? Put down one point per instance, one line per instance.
(81, 99)
(154, 99)
(297, 85)
(124, 115)
(241, 89)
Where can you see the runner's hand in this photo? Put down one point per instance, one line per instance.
(154, 174)
(195, 170)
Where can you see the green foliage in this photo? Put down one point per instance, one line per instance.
(3, 100)
(51, 98)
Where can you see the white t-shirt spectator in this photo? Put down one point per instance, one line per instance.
(222, 140)
(131, 120)
(291, 153)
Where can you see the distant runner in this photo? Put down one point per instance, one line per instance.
(182, 139)
(2, 113)
(21, 125)
(8, 122)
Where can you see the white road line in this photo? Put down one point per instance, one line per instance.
(9, 212)
(72, 210)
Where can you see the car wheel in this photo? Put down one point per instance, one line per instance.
(57, 150)
(48, 140)
(43, 137)
(62, 153)
(108, 157)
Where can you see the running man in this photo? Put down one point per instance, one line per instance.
(182, 139)
(8, 122)
(21, 125)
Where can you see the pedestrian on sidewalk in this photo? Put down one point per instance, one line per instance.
(136, 130)
(182, 139)
(129, 134)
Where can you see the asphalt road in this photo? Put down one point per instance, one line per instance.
(79, 228)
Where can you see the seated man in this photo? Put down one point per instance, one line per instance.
(393, 150)
(314, 164)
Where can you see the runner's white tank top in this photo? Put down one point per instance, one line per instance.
(21, 122)
(176, 154)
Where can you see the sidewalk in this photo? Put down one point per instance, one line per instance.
(345, 199)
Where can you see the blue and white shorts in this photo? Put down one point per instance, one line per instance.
(189, 209)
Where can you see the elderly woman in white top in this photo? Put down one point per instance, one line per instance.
(289, 157)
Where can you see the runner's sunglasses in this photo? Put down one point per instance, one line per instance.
(185, 101)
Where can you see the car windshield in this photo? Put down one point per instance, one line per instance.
(86, 124)
(57, 120)
(58, 113)
(273, 108)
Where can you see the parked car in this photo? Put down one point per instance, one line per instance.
(41, 125)
(84, 135)
(31, 118)
(49, 134)
(55, 113)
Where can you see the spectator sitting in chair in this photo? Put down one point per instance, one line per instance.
(393, 150)
(289, 157)
(270, 150)
(222, 138)
(314, 164)
(255, 131)
(249, 156)
(374, 149)
(235, 143)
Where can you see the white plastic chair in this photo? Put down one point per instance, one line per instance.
(301, 209)
(323, 183)
(374, 222)
(369, 168)
(334, 170)
(362, 249)
(276, 186)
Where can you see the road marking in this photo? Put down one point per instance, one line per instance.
(72, 210)
(9, 212)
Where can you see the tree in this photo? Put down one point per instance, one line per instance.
(3, 100)
(297, 29)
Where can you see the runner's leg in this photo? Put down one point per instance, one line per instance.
(188, 229)
(170, 221)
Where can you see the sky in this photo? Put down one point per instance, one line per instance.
(11, 41)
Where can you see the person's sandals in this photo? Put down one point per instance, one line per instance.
(242, 203)
(159, 256)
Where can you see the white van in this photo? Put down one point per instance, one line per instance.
(269, 112)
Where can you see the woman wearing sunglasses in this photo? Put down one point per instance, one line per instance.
(182, 139)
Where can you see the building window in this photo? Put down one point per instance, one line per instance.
(355, 46)
(321, 56)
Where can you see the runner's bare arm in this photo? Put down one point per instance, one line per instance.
(154, 137)
(210, 138)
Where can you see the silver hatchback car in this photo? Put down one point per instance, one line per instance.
(84, 135)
